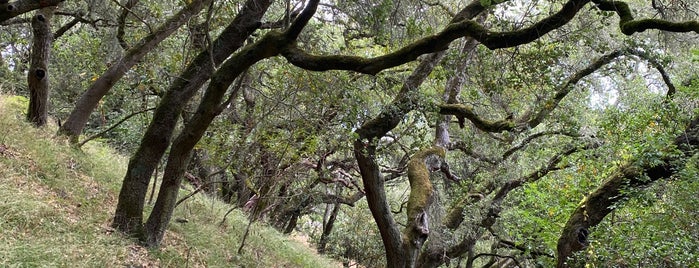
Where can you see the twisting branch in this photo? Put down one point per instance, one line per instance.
(463, 112)
(630, 26)
(537, 114)
(128, 9)
(596, 206)
(462, 27)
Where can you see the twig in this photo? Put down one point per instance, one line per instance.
(113, 126)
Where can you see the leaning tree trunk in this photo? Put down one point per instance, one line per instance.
(89, 100)
(128, 216)
(38, 75)
(601, 202)
(211, 106)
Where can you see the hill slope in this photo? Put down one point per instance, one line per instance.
(56, 204)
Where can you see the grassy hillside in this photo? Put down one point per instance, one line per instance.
(56, 205)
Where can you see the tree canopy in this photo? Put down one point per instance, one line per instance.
(398, 133)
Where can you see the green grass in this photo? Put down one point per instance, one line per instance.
(56, 204)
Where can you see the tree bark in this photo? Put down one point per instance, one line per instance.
(38, 75)
(602, 201)
(128, 216)
(89, 100)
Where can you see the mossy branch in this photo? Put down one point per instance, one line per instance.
(463, 112)
(630, 26)
(438, 42)
(300, 22)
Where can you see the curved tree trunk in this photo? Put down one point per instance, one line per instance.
(89, 100)
(601, 202)
(38, 75)
(128, 216)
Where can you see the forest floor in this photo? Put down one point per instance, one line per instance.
(56, 204)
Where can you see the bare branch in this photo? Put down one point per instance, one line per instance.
(114, 126)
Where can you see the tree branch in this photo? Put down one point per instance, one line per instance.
(630, 26)
(16, 8)
(300, 22)
(121, 21)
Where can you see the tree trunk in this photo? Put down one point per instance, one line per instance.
(211, 106)
(128, 216)
(378, 204)
(38, 75)
(419, 200)
(602, 201)
(328, 228)
(89, 100)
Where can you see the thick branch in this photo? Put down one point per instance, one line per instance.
(16, 8)
(438, 42)
(300, 22)
(630, 26)
(462, 112)
(90, 98)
